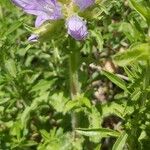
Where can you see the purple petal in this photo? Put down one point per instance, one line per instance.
(83, 4)
(33, 38)
(77, 27)
(39, 21)
(43, 9)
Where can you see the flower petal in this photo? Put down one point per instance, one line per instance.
(43, 9)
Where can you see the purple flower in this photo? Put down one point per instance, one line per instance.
(43, 9)
(83, 4)
(77, 27)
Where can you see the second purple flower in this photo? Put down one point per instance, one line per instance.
(46, 10)
(83, 4)
(77, 27)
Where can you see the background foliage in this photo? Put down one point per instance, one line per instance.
(113, 108)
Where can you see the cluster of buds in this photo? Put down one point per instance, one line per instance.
(52, 10)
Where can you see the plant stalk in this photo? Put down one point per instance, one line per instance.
(149, 31)
(74, 83)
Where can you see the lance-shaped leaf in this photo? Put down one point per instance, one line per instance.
(139, 52)
(102, 132)
(119, 144)
(116, 80)
(142, 8)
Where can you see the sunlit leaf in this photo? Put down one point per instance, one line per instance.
(139, 52)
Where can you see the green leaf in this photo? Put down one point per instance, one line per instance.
(116, 80)
(142, 8)
(16, 129)
(11, 67)
(70, 105)
(139, 52)
(95, 120)
(79, 102)
(14, 26)
(132, 30)
(99, 39)
(85, 101)
(136, 94)
(58, 101)
(128, 30)
(43, 85)
(42, 99)
(119, 144)
(102, 132)
(4, 100)
(113, 108)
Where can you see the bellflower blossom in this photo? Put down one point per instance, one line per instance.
(83, 4)
(43, 9)
(77, 27)
(52, 10)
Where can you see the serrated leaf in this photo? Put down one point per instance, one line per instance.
(58, 101)
(34, 105)
(70, 105)
(11, 67)
(79, 102)
(85, 101)
(113, 108)
(142, 8)
(95, 120)
(116, 80)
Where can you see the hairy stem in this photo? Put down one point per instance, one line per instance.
(74, 83)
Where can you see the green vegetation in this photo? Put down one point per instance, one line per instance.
(59, 94)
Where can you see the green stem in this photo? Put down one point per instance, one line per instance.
(149, 31)
(73, 70)
(74, 83)
(1, 13)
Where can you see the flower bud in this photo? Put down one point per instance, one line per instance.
(77, 27)
(33, 38)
